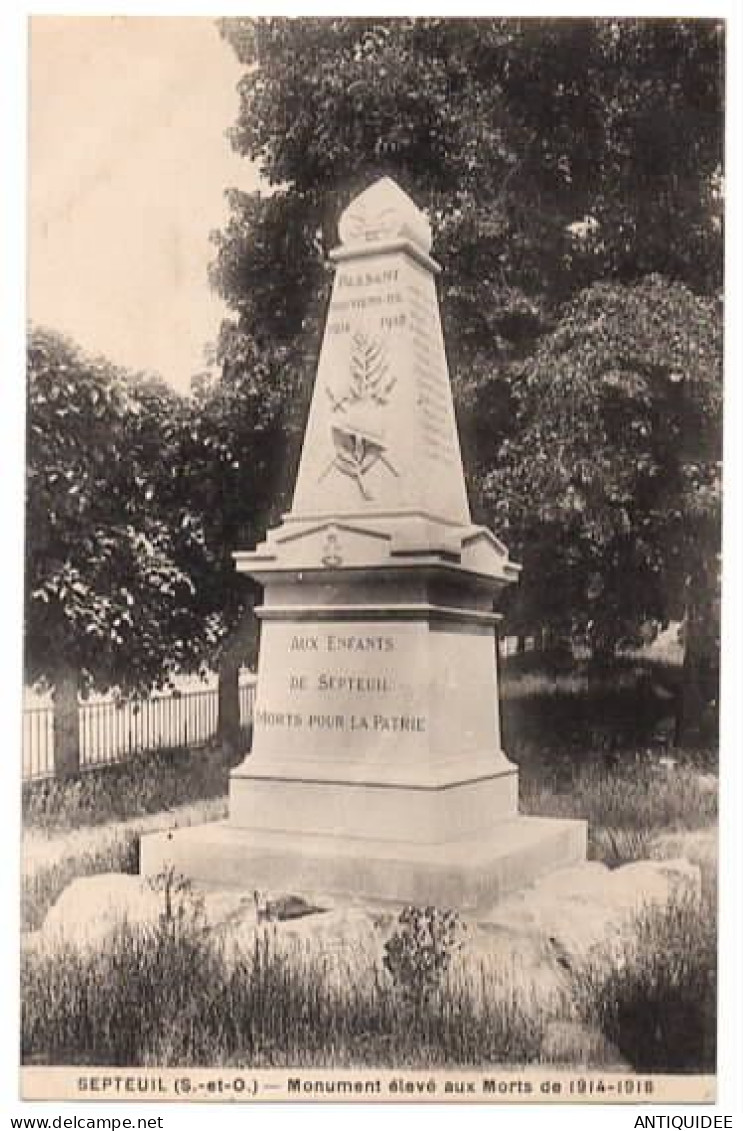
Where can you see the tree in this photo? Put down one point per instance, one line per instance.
(234, 475)
(509, 132)
(554, 157)
(548, 153)
(110, 548)
(610, 483)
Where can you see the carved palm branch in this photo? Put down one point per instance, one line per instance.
(370, 378)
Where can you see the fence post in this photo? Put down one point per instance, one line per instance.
(66, 726)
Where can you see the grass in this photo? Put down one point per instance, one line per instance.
(595, 745)
(51, 862)
(175, 996)
(578, 713)
(91, 824)
(656, 999)
(627, 806)
(148, 783)
(586, 747)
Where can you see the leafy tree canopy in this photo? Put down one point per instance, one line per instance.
(572, 170)
(549, 154)
(111, 548)
(618, 423)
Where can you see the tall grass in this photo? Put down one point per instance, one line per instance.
(655, 999)
(148, 783)
(626, 806)
(172, 995)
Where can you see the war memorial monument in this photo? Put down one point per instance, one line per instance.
(376, 767)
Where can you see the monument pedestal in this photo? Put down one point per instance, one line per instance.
(468, 874)
(377, 768)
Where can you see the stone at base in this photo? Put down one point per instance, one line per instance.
(464, 875)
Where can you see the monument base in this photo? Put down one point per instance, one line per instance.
(464, 874)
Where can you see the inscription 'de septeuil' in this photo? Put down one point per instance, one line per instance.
(345, 682)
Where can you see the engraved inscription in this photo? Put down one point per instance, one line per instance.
(429, 370)
(354, 696)
(381, 724)
(367, 278)
(368, 293)
(389, 301)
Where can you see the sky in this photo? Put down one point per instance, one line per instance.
(127, 171)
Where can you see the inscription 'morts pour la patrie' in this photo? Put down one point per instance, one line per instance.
(347, 723)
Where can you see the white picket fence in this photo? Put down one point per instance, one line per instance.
(111, 731)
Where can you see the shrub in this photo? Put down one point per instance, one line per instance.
(419, 952)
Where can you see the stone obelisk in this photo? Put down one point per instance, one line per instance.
(377, 768)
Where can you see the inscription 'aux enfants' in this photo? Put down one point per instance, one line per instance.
(331, 643)
(341, 681)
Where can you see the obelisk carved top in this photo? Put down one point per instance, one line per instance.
(384, 212)
(381, 437)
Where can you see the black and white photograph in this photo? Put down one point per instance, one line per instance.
(372, 577)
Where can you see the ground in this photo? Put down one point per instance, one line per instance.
(618, 969)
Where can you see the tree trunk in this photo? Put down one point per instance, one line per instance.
(696, 718)
(240, 647)
(229, 732)
(66, 724)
